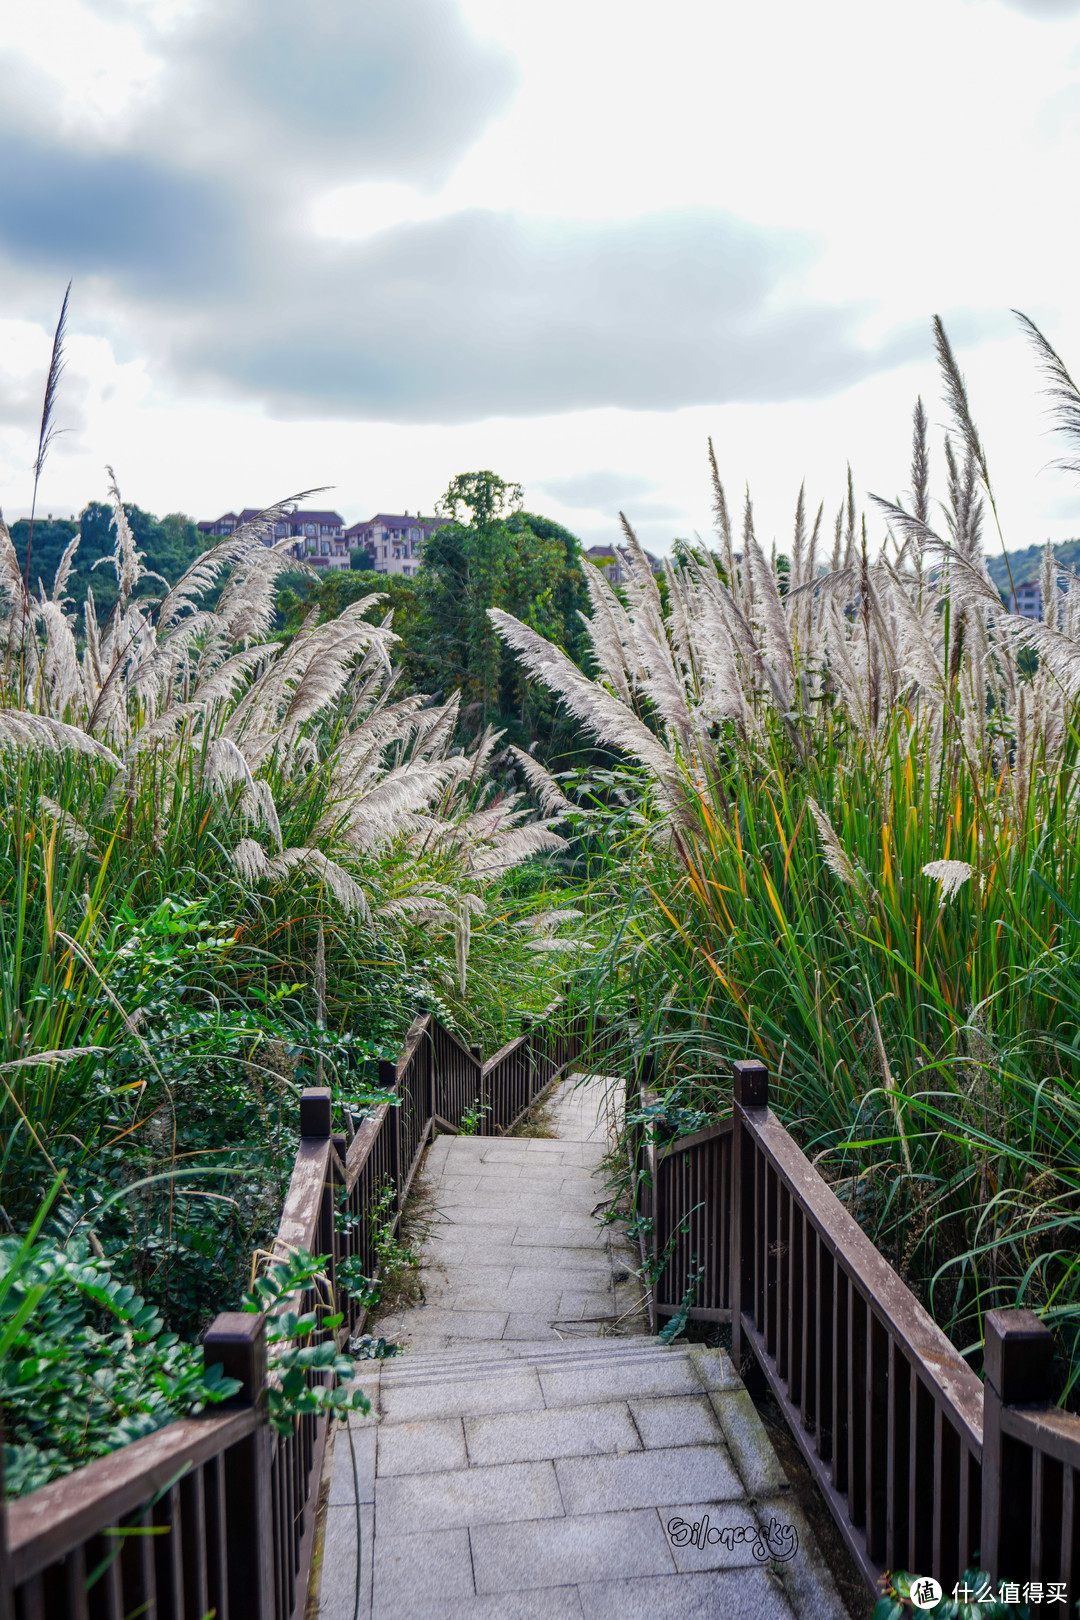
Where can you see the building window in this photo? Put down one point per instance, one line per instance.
(326, 548)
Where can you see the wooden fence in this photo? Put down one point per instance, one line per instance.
(924, 1465)
(216, 1514)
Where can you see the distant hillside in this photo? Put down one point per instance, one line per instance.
(1026, 564)
(168, 544)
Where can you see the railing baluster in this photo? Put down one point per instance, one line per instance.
(840, 1367)
(897, 1454)
(795, 1334)
(1070, 1528)
(877, 1435)
(106, 1596)
(922, 1502)
(168, 1548)
(856, 1411)
(193, 1532)
(825, 1335)
(783, 1266)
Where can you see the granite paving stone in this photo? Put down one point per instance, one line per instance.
(584, 1431)
(754, 1457)
(734, 1595)
(679, 1420)
(500, 1494)
(716, 1535)
(584, 1387)
(346, 1481)
(553, 1552)
(422, 1566)
(647, 1479)
(421, 1447)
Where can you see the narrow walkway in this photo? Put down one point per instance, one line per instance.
(536, 1454)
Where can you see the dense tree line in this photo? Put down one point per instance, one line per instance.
(168, 544)
(491, 554)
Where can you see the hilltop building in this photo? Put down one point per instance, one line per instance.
(394, 541)
(320, 536)
(612, 562)
(1027, 600)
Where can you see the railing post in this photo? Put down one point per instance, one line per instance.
(637, 1083)
(236, 1341)
(486, 1126)
(530, 1066)
(388, 1082)
(1018, 1367)
(750, 1089)
(316, 1125)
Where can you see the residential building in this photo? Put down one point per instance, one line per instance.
(394, 541)
(320, 539)
(612, 561)
(1027, 601)
(319, 536)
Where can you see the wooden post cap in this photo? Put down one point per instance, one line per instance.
(477, 1056)
(387, 1074)
(1018, 1358)
(751, 1083)
(235, 1341)
(315, 1111)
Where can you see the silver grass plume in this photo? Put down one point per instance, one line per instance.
(952, 875)
(1061, 389)
(836, 856)
(553, 802)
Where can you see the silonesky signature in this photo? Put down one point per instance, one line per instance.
(774, 1541)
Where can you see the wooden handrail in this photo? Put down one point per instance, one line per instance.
(924, 1465)
(909, 1323)
(49, 1522)
(211, 1489)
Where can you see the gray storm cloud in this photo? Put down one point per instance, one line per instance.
(193, 229)
(598, 490)
(485, 313)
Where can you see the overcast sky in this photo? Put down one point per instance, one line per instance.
(374, 243)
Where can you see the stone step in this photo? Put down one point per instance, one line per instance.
(433, 1366)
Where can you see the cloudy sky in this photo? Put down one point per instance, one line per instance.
(373, 243)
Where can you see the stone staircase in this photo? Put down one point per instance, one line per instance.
(550, 1475)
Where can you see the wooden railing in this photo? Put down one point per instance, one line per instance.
(216, 1514)
(924, 1465)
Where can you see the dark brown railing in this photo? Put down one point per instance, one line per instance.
(217, 1513)
(924, 1465)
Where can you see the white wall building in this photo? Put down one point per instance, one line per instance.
(394, 540)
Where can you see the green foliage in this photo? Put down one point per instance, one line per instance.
(494, 555)
(307, 1370)
(397, 595)
(844, 841)
(85, 1362)
(472, 1119)
(169, 545)
(676, 1325)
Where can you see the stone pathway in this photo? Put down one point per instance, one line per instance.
(536, 1454)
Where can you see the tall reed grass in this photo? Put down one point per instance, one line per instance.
(845, 841)
(230, 865)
